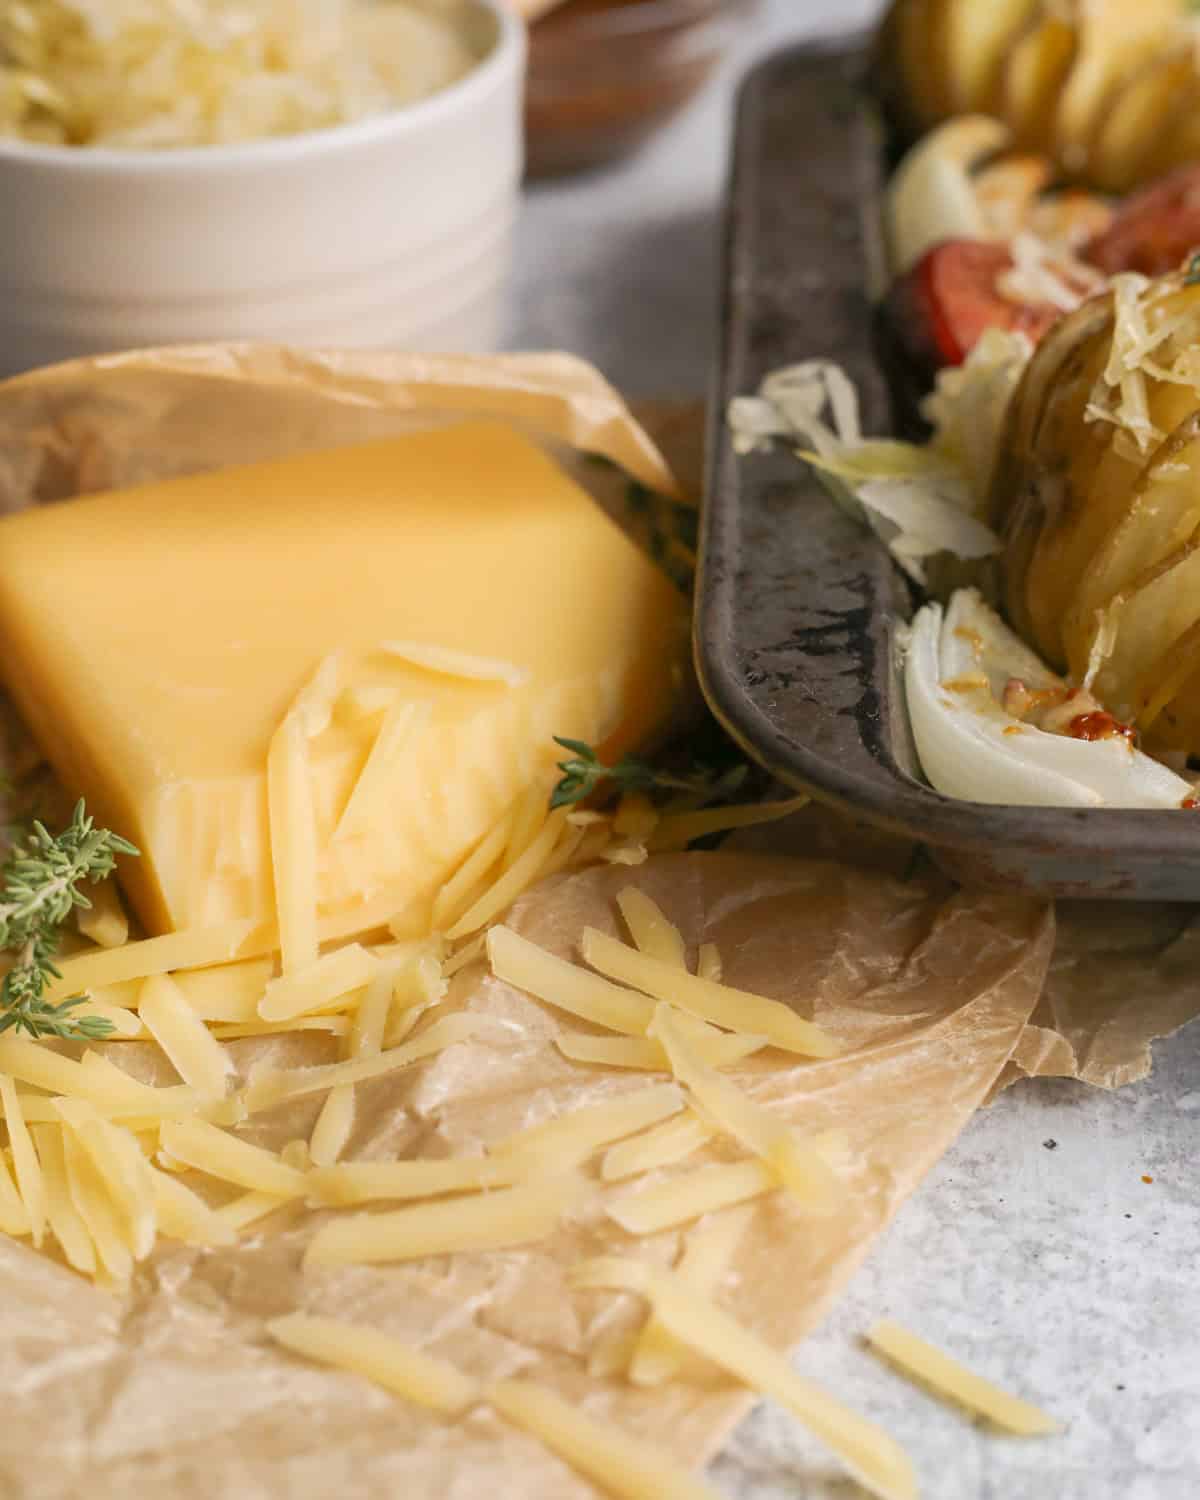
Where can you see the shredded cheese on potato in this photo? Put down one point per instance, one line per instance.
(1142, 331)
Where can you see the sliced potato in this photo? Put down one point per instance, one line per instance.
(1101, 86)
(1115, 39)
(1101, 496)
(1033, 80)
(1101, 534)
(923, 84)
(1023, 499)
(1062, 455)
(1160, 610)
(1163, 512)
(1168, 706)
(1145, 107)
(977, 36)
(1176, 142)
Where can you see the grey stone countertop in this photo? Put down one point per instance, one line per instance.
(1058, 1271)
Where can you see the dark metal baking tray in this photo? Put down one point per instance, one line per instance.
(797, 606)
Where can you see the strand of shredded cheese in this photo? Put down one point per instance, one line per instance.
(517, 878)
(707, 1255)
(565, 985)
(120, 1166)
(708, 963)
(25, 1161)
(193, 1051)
(623, 1465)
(801, 1169)
(736, 1010)
(401, 724)
(103, 920)
(529, 817)
(462, 888)
(248, 1208)
(63, 1217)
(185, 1216)
(573, 1137)
(650, 928)
(498, 1220)
(334, 1126)
(14, 1219)
(870, 1454)
(318, 985)
(662, 1147)
(678, 830)
(407, 1372)
(949, 1378)
(222, 1155)
(379, 1181)
(94, 1206)
(690, 1196)
(292, 822)
(194, 948)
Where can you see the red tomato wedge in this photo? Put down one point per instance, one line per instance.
(1153, 231)
(951, 297)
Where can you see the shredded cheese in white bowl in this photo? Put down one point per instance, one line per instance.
(172, 73)
(338, 174)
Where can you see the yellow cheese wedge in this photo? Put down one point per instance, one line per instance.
(156, 637)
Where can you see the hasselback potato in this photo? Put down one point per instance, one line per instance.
(1097, 497)
(1109, 88)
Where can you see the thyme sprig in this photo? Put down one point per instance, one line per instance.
(584, 774)
(39, 888)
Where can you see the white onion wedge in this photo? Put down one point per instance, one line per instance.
(931, 196)
(970, 747)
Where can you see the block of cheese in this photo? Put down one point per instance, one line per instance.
(155, 637)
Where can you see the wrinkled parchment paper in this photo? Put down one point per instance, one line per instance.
(176, 1392)
(943, 996)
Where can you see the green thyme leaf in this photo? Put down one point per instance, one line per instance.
(40, 885)
(584, 774)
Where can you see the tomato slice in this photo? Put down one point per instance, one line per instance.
(951, 297)
(1153, 231)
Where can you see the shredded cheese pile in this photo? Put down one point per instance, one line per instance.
(100, 1166)
(169, 73)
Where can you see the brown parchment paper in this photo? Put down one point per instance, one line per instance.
(942, 995)
(176, 1392)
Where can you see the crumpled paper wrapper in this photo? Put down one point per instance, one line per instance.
(176, 1391)
(941, 995)
(126, 419)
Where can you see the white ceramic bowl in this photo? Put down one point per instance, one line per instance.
(393, 232)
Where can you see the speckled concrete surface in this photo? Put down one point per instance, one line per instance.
(1057, 1270)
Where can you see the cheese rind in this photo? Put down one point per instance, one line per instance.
(203, 605)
